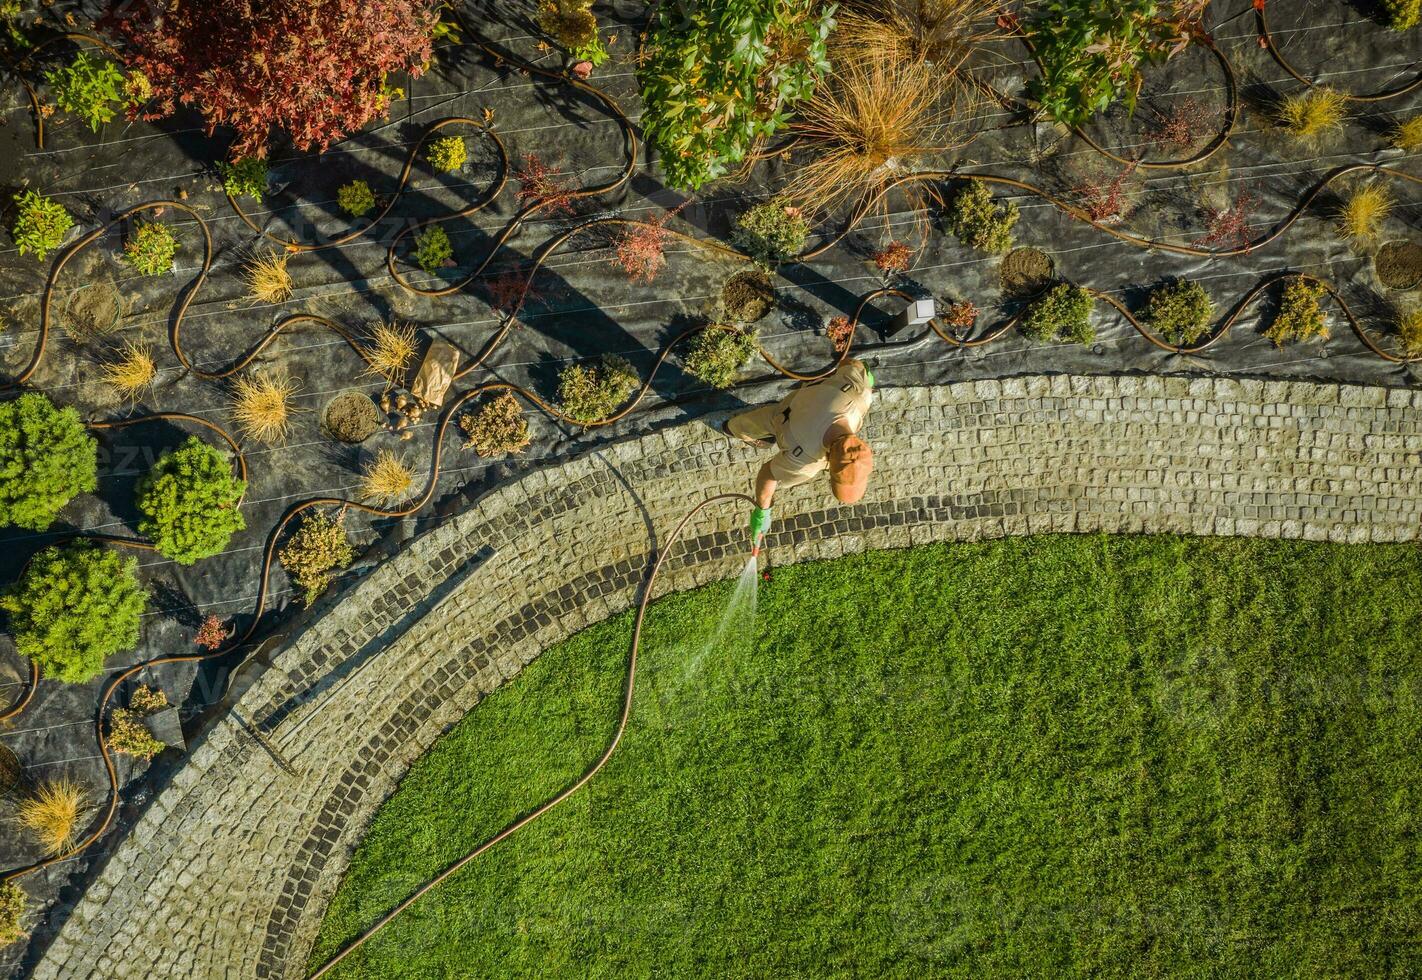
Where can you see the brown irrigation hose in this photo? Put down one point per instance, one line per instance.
(1268, 40)
(29, 692)
(524, 821)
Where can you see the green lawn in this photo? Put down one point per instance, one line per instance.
(1143, 756)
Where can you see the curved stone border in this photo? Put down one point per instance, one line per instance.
(228, 872)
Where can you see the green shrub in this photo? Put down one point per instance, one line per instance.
(1409, 331)
(498, 428)
(1179, 312)
(189, 503)
(592, 393)
(355, 198)
(717, 355)
(46, 458)
(718, 77)
(75, 605)
(1301, 315)
(12, 910)
(248, 175)
(150, 248)
(433, 249)
(447, 153)
(89, 88)
(771, 232)
(979, 222)
(128, 735)
(1402, 15)
(40, 224)
(318, 548)
(1063, 314)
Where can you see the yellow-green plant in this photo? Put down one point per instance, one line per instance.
(52, 814)
(1301, 315)
(150, 248)
(979, 222)
(447, 153)
(317, 549)
(1407, 135)
(1312, 113)
(1362, 214)
(40, 224)
(356, 198)
(128, 735)
(592, 392)
(498, 428)
(1409, 331)
(12, 911)
(1402, 15)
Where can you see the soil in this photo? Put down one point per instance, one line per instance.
(351, 417)
(93, 310)
(1026, 272)
(1399, 264)
(747, 296)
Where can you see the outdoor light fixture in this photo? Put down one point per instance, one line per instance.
(918, 311)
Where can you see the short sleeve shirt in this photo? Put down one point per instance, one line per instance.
(801, 418)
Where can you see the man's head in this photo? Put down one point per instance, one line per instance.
(850, 463)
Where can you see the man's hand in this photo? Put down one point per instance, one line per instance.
(759, 524)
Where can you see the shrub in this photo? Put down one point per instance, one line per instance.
(711, 91)
(390, 351)
(590, 393)
(717, 355)
(40, 224)
(1402, 15)
(893, 259)
(52, 814)
(150, 248)
(247, 175)
(316, 69)
(189, 502)
(131, 372)
(75, 605)
(640, 249)
(572, 25)
(771, 232)
(1231, 226)
(1310, 114)
(212, 633)
(840, 331)
(262, 404)
(46, 458)
(447, 153)
(498, 428)
(267, 278)
(1363, 213)
(387, 479)
(317, 548)
(1409, 331)
(1301, 315)
(128, 735)
(543, 185)
(961, 314)
(1063, 314)
(1407, 135)
(433, 250)
(979, 222)
(146, 700)
(90, 88)
(12, 910)
(1179, 312)
(355, 198)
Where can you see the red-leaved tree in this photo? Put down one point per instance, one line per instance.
(315, 69)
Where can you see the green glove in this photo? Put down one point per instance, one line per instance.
(759, 523)
(869, 376)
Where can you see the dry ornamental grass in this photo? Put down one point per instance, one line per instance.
(267, 278)
(52, 814)
(1310, 115)
(262, 406)
(132, 372)
(386, 479)
(1361, 216)
(390, 351)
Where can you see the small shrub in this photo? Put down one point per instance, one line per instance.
(40, 224)
(433, 250)
(387, 479)
(498, 428)
(1308, 115)
(1362, 215)
(246, 175)
(150, 248)
(1187, 123)
(131, 373)
(146, 700)
(1063, 314)
(88, 87)
(75, 605)
(979, 222)
(189, 502)
(128, 735)
(1231, 227)
(447, 153)
(12, 911)
(641, 248)
(543, 185)
(771, 232)
(1179, 312)
(1409, 331)
(716, 355)
(212, 633)
(961, 314)
(318, 548)
(893, 259)
(46, 459)
(569, 23)
(263, 406)
(840, 331)
(356, 198)
(1301, 315)
(1402, 15)
(52, 814)
(1102, 199)
(590, 393)
(1408, 134)
(267, 278)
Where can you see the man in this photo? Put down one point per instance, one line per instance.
(815, 428)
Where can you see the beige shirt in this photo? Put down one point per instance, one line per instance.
(801, 418)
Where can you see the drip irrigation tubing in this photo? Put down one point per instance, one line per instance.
(1262, 21)
(629, 689)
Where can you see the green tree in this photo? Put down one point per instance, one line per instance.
(189, 502)
(75, 605)
(46, 458)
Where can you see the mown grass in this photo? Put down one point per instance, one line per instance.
(1143, 756)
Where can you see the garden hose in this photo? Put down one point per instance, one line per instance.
(1267, 40)
(629, 689)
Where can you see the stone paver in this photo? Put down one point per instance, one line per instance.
(229, 871)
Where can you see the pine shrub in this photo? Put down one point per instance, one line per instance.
(128, 735)
(1179, 312)
(447, 153)
(355, 198)
(318, 548)
(1062, 315)
(717, 355)
(1402, 15)
(1301, 315)
(497, 428)
(771, 233)
(12, 910)
(433, 249)
(46, 459)
(979, 222)
(189, 502)
(590, 393)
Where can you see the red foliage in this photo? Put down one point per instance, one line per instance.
(211, 633)
(313, 68)
(961, 314)
(893, 258)
(840, 331)
(1102, 199)
(544, 185)
(641, 248)
(1187, 123)
(508, 291)
(1231, 227)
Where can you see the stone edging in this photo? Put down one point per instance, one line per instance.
(228, 872)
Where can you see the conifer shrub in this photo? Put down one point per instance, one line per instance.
(497, 428)
(1301, 315)
(433, 250)
(128, 735)
(314, 552)
(979, 222)
(1062, 315)
(355, 199)
(40, 224)
(447, 153)
(12, 911)
(1179, 312)
(1402, 15)
(592, 392)
(716, 355)
(189, 502)
(46, 459)
(75, 605)
(771, 232)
